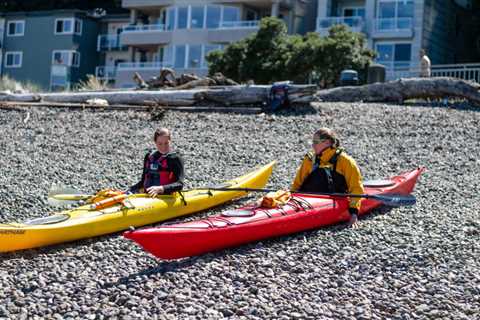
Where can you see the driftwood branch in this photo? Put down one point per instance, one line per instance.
(404, 89)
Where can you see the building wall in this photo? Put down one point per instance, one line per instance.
(87, 46)
(439, 23)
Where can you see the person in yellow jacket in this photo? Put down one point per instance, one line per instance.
(328, 169)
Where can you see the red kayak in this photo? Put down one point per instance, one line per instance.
(234, 227)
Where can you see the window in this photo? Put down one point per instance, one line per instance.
(13, 59)
(197, 15)
(231, 14)
(354, 12)
(194, 56)
(66, 58)
(395, 14)
(167, 54)
(213, 16)
(180, 54)
(16, 28)
(182, 18)
(68, 26)
(394, 55)
(170, 18)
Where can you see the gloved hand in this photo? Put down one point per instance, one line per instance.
(353, 218)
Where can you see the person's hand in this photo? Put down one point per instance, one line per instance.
(153, 191)
(353, 222)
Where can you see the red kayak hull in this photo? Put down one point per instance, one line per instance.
(222, 231)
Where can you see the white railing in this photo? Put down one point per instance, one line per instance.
(393, 24)
(106, 72)
(151, 65)
(355, 23)
(239, 24)
(469, 71)
(144, 28)
(107, 42)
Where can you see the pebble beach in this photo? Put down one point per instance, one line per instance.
(420, 262)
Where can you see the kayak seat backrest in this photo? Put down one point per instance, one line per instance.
(238, 213)
(378, 183)
(47, 220)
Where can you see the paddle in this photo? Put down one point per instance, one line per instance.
(391, 200)
(63, 195)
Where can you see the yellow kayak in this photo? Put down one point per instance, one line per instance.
(136, 210)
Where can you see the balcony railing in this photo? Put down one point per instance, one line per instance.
(106, 72)
(355, 23)
(151, 65)
(393, 24)
(239, 24)
(108, 42)
(144, 28)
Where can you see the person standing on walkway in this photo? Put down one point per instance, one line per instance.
(425, 65)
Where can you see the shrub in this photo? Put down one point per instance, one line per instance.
(272, 55)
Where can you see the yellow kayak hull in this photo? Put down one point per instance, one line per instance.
(82, 222)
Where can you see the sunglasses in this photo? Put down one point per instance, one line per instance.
(318, 141)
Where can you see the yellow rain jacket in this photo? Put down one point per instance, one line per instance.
(346, 166)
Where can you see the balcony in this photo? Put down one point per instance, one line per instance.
(356, 24)
(147, 34)
(109, 42)
(106, 73)
(393, 28)
(230, 31)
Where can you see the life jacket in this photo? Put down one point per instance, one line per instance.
(325, 179)
(157, 171)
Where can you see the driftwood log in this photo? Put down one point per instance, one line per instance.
(395, 91)
(230, 95)
(168, 79)
(404, 89)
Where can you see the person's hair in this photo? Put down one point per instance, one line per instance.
(423, 52)
(326, 133)
(161, 132)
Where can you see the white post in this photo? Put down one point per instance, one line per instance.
(133, 16)
(370, 17)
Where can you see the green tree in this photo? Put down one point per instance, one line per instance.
(272, 55)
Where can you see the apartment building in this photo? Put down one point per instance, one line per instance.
(180, 33)
(398, 29)
(52, 49)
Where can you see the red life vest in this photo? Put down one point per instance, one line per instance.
(157, 172)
